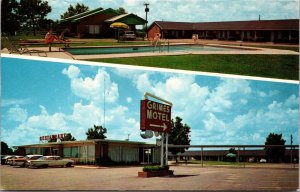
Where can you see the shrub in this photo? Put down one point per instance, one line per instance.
(155, 168)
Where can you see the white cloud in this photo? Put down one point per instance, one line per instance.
(211, 123)
(270, 94)
(223, 97)
(72, 72)
(44, 121)
(17, 114)
(9, 102)
(92, 89)
(129, 99)
(292, 101)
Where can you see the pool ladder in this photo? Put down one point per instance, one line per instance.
(161, 46)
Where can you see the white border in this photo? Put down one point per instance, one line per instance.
(80, 62)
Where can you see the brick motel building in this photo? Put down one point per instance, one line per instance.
(277, 31)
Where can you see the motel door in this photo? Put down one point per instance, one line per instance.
(147, 156)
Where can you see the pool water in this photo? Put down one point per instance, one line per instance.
(142, 49)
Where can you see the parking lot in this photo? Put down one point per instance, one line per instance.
(125, 178)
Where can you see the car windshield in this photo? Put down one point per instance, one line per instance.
(42, 158)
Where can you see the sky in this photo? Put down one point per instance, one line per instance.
(192, 10)
(45, 97)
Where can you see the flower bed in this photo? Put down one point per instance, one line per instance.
(155, 171)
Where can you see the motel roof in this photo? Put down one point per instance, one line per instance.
(288, 24)
(82, 142)
(129, 19)
(78, 17)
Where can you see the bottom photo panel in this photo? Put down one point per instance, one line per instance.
(72, 125)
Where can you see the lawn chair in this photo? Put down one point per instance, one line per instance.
(15, 48)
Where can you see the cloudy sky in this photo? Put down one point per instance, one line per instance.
(192, 10)
(41, 98)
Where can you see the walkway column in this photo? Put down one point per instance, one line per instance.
(272, 36)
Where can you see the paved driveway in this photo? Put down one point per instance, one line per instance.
(185, 178)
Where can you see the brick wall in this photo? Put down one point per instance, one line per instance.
(153, 31)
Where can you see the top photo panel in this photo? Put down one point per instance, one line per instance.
(258, 38)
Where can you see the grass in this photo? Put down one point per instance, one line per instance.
(272, 66)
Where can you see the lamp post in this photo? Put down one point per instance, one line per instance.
(146, 10)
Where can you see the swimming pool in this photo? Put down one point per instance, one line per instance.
(142, 49)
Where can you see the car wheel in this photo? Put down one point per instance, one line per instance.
(69, 164)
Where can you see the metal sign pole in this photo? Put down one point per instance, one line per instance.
(162, 150)
(167, 137)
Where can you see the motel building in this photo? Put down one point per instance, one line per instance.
(276, 31)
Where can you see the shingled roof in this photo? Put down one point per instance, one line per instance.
(83, 15)
(289, 24)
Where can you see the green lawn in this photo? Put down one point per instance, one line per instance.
(272, 66)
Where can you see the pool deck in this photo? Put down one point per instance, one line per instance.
(60, 53)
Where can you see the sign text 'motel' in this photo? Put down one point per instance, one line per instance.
(155, 116)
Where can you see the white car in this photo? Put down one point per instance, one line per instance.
(263, 161)
(50, 161)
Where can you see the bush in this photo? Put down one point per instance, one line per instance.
(155, 168)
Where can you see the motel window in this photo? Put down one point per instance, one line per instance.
(71, 152)
(94, 29)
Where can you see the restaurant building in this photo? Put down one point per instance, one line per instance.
(286, 31)
(96, 23)
(97, 151)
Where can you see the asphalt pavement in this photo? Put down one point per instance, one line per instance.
(125, 178)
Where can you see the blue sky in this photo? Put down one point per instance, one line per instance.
(192, 10)
(43, 97)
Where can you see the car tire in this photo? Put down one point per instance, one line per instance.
(69, 164)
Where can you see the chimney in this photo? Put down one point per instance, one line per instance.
(259, 17)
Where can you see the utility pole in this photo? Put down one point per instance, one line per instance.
(146, 10)
(292, 150)
(104, 100)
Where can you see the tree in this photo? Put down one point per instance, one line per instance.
(10, 20)
(275, 154)
(179, 136)
(68, 137)
(33, 13)
(5, 150)
(74, 10)
(98, 132)
(121, 10)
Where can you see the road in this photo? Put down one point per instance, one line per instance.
(125, 178)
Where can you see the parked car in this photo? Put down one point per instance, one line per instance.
(23, 161)
(5, 158)
(128, 35)
(262, 160)
(10, 161)
(50, 161)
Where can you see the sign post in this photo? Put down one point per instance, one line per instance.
(156, 117)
